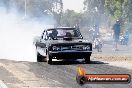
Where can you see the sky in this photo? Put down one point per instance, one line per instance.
(76, 5)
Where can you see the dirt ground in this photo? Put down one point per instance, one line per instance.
(115, 60)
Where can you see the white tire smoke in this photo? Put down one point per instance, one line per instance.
(16, 37)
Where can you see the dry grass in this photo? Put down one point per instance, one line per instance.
(109, 57)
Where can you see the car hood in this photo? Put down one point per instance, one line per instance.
(68, 41)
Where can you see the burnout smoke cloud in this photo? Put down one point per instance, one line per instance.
(17, 34)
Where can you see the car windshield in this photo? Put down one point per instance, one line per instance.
(64, 32)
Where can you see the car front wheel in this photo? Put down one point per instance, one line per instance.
(41, 58)
(49, 59)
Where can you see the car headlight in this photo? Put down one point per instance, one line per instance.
(56, 48)
(86, 47)
(82, 47)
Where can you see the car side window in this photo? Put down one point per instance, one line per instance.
(44, 35)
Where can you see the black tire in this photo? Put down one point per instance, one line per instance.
(87, 59)
(41, 58)
(49, 59)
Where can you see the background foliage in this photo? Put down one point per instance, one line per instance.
(95, 12)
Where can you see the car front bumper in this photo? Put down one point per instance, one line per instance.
(70, 54)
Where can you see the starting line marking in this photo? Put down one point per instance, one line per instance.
(2, 85)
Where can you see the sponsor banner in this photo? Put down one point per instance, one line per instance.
(83, 78)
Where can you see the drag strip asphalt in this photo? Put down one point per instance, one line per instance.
(60, 74)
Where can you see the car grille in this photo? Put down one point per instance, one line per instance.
(71, 48)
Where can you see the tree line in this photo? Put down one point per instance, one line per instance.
(95, 12)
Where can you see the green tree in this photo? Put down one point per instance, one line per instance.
(70, 18)
(130, 10)
(94, 5)
(93, 10)
(117, 8)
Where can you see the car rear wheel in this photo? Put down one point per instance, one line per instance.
(41, 58)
